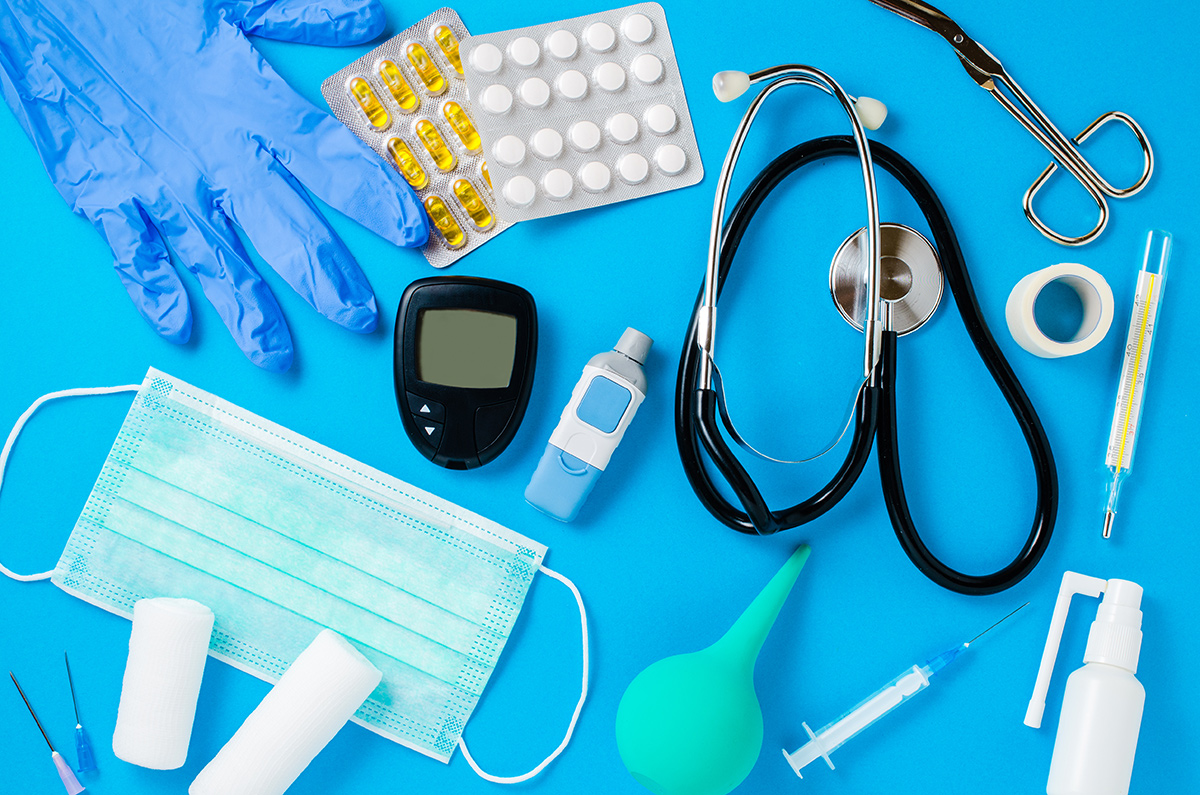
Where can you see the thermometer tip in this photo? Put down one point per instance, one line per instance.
(1108, 523)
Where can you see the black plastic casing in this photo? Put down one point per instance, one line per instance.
(478, 423)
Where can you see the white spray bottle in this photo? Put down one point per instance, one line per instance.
(1102, 704)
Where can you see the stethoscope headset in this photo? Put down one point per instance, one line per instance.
(883, 318)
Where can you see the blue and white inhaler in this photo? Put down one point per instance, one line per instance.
(592, 425)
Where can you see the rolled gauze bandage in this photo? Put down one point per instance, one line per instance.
(1094, 293)
(167, 651)
(321, 690)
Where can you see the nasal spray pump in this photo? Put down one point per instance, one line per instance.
(1102, 703)
(592, 425)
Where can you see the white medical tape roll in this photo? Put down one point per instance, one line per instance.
(321, 690)
(1094, 293)
(167, 651)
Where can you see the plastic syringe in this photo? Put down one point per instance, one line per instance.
(912, 681)
(1122, 439)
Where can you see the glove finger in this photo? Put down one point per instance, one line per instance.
(141, 259)
(295, 239)
(209, 248)
(334, 23)
(348, 175)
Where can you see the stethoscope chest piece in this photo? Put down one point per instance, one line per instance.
(911, 284)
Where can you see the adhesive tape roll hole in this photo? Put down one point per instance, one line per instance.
(1095, 297)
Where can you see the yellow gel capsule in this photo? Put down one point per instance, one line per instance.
(472, 203)
(370, 105)
(439, 213)
(405, 97)
(483, 170)
(448, 42)
(426, 68)
(406, 164)
(462, 125)
(443, 158)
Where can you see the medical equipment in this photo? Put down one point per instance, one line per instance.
(283, 537)
(64, 770)
(602, 405)
(85, 760)
(699, 397)
(1139, 345)
(168, 649)
(912, 681)
(465, 350)
(991, 76)
(1095, 296)
(1102, 703)
(154, 167)
(691, 724)
(306, 708)
(582, 112)
(408, 101)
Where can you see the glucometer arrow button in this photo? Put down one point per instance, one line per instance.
(425, 409)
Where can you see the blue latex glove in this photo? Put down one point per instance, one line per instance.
(159, 123)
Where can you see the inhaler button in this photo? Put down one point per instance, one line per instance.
(647, 68)
(572, 84)
(520, 191)
(595, 177)
(670, 159)
(599, 37)
(562, 44)
(486, 59)
(661, 119)
(638, 28)
(633, 168)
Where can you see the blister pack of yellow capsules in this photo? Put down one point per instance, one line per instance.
(408, 100)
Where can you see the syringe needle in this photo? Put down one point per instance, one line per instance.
(998, 623)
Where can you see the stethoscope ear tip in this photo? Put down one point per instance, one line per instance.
(730, 85)
(871, 112)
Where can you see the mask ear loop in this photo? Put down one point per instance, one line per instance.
(574, 717)
(16, 431)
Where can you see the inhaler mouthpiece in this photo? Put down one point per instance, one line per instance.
(871, 112)
(730, 85)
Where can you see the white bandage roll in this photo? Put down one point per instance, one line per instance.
(167, 651)
(1094, 293)
(321, 690)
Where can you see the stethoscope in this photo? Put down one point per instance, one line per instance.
(883, 304)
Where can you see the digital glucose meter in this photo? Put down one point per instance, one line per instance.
(465, 350)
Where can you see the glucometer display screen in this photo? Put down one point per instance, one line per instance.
(466, 348)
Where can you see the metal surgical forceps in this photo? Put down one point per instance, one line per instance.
(990, 74)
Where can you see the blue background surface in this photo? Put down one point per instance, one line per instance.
(659, 575)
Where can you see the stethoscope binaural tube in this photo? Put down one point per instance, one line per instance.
(697, 426)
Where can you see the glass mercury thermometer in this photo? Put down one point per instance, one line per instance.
(1147, 300)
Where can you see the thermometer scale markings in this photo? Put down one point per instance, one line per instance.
(1128, 411)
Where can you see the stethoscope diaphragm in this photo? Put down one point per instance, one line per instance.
(911, 284)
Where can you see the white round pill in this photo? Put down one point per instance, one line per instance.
(599, 36)
(572, 84)
(670, 159)
(496, 99)
(547, 143)
(633, 168)
(584, 135)
(524, 51)
(534, 92)
(647, 68)
(562, 44)
(595, 177)
(622, 128)
(486, 59)
(609, 76)
(509, 151)
(557, 184)
(660, 119)
(638, 28)
(520, 191)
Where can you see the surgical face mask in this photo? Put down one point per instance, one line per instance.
(282, 537)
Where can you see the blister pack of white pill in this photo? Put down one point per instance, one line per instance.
(407, 98)
(583, 112)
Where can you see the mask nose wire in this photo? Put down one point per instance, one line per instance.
(12, 440)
